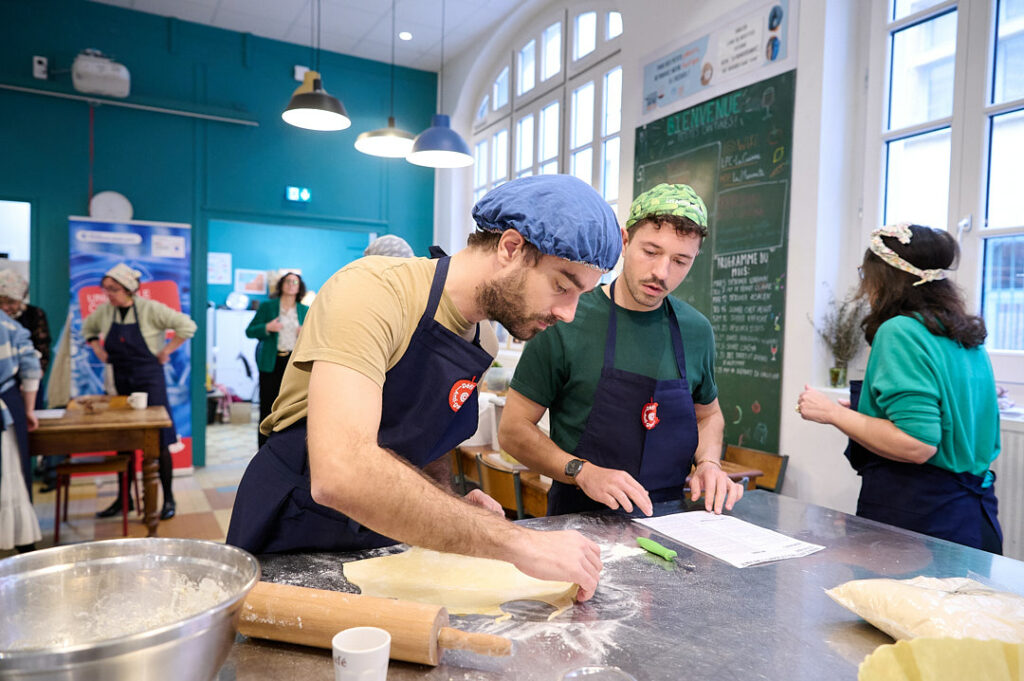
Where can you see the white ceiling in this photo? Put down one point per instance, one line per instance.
(357, 27)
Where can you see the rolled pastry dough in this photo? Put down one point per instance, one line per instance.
(463, 584)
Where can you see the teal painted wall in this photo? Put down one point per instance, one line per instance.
(186, 170)
(319, 253)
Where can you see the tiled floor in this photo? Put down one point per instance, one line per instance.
(204, 498)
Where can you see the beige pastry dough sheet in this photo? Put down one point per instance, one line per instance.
(944, 659)
(462, 584)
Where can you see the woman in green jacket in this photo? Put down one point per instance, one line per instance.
(276, 325)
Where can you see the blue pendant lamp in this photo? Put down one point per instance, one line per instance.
(311, 107)
(439, 146)
(389, 142)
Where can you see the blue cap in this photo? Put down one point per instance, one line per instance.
(559, 214)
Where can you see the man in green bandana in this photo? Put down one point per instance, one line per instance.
(630, 381)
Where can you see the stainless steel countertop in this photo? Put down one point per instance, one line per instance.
(696, 618)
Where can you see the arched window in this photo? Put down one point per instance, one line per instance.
(553, 105)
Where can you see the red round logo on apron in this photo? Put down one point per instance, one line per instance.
(460, 392)
(649, 416)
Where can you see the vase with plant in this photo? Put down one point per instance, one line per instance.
(841, 331)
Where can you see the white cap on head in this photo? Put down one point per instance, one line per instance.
(391, 245)
(125, 276)
(12, 285)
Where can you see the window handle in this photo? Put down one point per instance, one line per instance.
(963, 225)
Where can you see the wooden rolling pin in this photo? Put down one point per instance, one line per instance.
(312, 617)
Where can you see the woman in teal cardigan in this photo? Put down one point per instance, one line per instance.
(276, 325)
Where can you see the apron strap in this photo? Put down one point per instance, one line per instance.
(436, 289)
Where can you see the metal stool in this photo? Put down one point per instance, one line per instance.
(117, 463)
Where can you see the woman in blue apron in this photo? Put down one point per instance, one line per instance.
(274, 511)
(928, 404)
(130, 328)
(19, 380)
(641, 425)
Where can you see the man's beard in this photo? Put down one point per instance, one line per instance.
(503, 301)
(643, 297)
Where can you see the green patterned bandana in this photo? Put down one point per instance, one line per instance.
(669, 199)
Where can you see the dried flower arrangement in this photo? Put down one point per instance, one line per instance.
(841, 331)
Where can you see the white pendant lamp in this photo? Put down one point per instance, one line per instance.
(389, 142)
(311, 107)
(439, 146)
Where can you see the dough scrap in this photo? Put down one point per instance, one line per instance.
(463, 584)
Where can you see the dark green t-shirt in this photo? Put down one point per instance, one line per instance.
(561, 366)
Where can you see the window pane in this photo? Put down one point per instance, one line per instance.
(582, 164)
(582, 115)
(481, 110)
(526, 70)
(480, 164)
(549, 168)
(549, 127)
(1009, 67)
(903, 8)
(610, 171)
(500, 89)
(612, 101)
(585, 35)
(500, 145)
(614, 25)
(524, 143)
(525, 173)
(1005, 172)
(479, 194)
(551, 58)
(1003, 292)
(921, 86)
(917, 179)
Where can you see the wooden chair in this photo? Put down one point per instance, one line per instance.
(500, 481)
(773, 465)
(92, 465)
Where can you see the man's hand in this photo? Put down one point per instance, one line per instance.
(613, 488)
(479, 498)
(719, 491)
(565, 556)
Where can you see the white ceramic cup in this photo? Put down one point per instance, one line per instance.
(361, 654)
(138, 400)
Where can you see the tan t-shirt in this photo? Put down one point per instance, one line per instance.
(363, 318)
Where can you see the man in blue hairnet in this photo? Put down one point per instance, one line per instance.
(382, 384)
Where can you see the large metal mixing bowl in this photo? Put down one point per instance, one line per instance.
(71, 612)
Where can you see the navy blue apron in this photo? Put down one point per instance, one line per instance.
(638, 424)
(136, 369)
(11, 395)
(922, 497)
(429, 405)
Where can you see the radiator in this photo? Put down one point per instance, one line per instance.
(1009, 467)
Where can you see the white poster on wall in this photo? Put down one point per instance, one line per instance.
(218, 268)
(750, 44)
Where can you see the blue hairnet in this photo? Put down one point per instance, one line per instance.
(559, 214)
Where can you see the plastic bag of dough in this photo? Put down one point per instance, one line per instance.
(925, 606)
(944, 659)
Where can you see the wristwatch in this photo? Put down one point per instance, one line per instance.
(572, 468)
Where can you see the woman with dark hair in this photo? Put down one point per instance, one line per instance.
(924, 428)
(276, 325)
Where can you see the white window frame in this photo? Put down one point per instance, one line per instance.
(970, 125)
(558, 87)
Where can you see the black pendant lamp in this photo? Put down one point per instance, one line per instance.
(311, 107)
(389, 142)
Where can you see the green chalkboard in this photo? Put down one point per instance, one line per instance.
(736, 151)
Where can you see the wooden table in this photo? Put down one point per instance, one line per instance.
(535, 488)
(114, 428)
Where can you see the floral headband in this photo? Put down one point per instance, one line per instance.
(903, 234)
